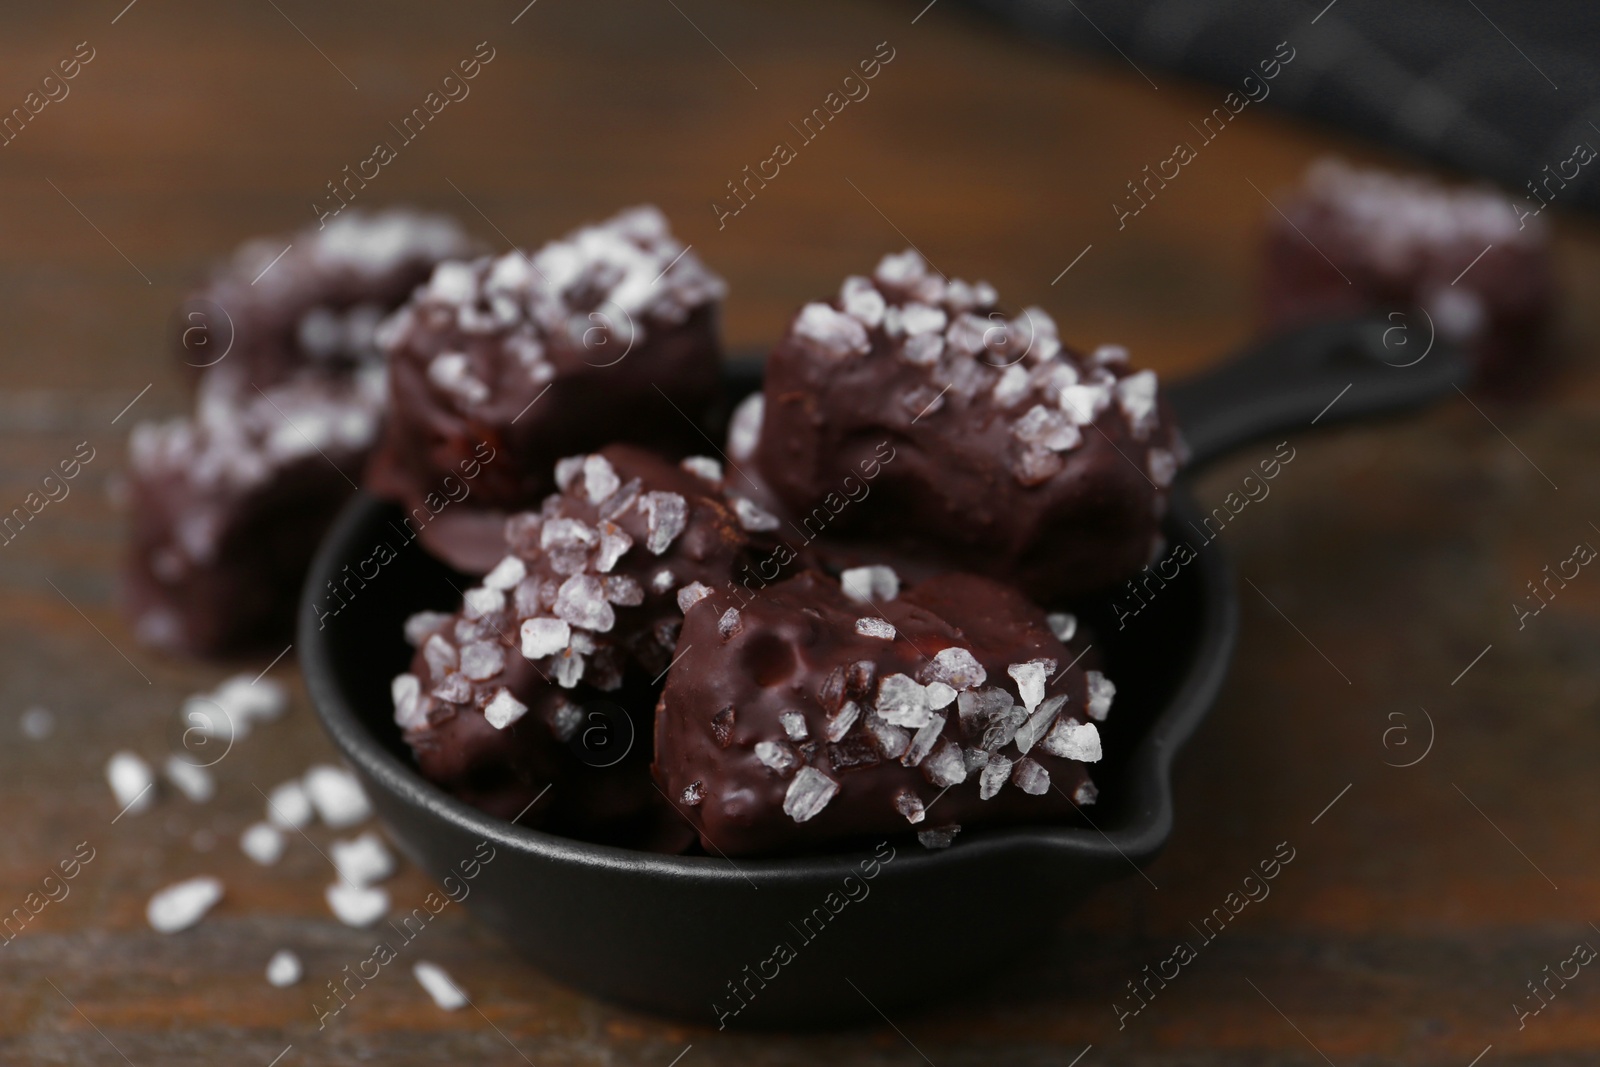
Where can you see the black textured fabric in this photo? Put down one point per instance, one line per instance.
(1490, 87)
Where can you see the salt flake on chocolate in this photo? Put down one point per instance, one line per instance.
(614, 544)
(1013, 385)
(923, 740)
(777, 757)
(703, 467)
(1136, 395)
(753, 517)
(1074, 740)
(599, 478)
(1030, 777)
(482, 660)
(666, 515)
(808, 794)
(744, 428)
(839, 722)
(1062, 625)
(944, 766)
(506, 574)
(452, 372)
(862, 301)
(831, 333)
(730, 625)
(1163, 466)
(902, 701)
(908, 804)
(544, 637)
(692, 594)
(994, 776)
(879, 628)
(1030, 678)
(870, 585)
(957, 668)
(439, 654)
(503, 709)
(582, 602)
(1101, 691)
(1047, 429)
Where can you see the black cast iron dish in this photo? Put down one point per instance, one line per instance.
(695, 937)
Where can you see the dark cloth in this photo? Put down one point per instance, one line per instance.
(1436, 78)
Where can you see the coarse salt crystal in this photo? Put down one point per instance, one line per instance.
(1101, 692)
(839, 722)
(544, 637)
(1028, 733)
(263, 843)
(482, 660)
(1087, 793)
(337, 796)
(1136, 395)
(362, 860)
(1163, 467)
(581, 601)
(614, 544)
(599, 478)
(794, 724)
(957, 668)
(666, 515)
(623, 590)
(356, 905)
(182, 904)
(692, 594)
(875, 628)
(439, 654)
(923, 741)
(1047, 429)
(503, 709)
(1030, 678)
(942, 837)
(1074, 740)
(892, 741)
(994, 776)
(1063, 625)
(830, 333)
(288, 805)
(406, 692)
(1083, 403)
(744, 428)
(862, 301)
(439, 985)
(868, 585)
(193, 781)
(132, 782)
(776, 756)
(944, 766)
(729, 625)
(808, 794)
(662, 581)
(908, 804)
(939, 694)
(283, 969)
(506, 574)
(903, 702)
(1030, 777)
(567, 471)
(753, 517)
(480, 601)
(1012, 386)
(703, 467)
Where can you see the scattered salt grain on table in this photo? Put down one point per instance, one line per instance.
(362, 860)
(283, 969)
(444, 992)
(263, 843)
(337, 796)
(192, 781)
(37, 723)
(181, 905)
(288, 805)
(131, 781)
(357, 905)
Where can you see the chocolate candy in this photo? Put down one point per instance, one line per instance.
(817, 714)
(993, 449)
(314, 298)
(606, 335)
(1351, 242)
(579, 618)
(227, 507)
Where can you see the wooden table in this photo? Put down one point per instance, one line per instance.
(1420, 900)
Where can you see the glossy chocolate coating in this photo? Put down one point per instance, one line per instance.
(227, 508)
(541, 357)
(1351, 242)
(314, 298)
(796, 649)
(599, 529)
(963, 438)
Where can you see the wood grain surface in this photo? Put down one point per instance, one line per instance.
(1384, 562)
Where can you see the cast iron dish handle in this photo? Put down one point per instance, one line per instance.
(1325, 373)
